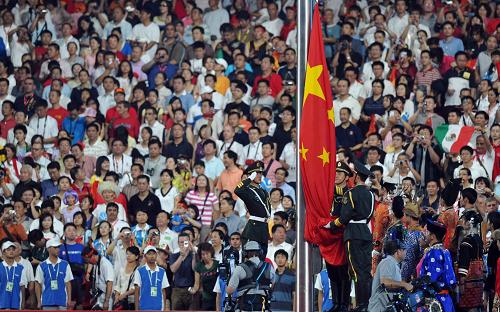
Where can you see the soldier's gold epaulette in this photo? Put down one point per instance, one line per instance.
(240, 184)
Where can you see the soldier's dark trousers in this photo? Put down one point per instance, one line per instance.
(359, 260)
(340, 286)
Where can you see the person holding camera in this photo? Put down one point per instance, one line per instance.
(182, 264)
(9, 228)
(345, 55)
(402, 169)
(252, 280)
(102, 277)
(160, 63)
(123, 287)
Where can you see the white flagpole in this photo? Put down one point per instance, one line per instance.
(304, 286)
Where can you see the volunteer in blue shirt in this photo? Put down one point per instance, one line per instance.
(151, 284)
(13, 279)
(53, 280)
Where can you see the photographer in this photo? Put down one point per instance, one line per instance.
(160, 63)
(182, 264)
(9, 227)
(102, 278)
(345, 55)
(252, 280)
(402, 169)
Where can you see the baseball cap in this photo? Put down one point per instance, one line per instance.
(119, 90)
(7, 245)
(150, 248)
(206, 89)
(53, 242)
(222, 62)
(90, 112)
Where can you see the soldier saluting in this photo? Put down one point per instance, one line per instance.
(256, 200)
(355, 214)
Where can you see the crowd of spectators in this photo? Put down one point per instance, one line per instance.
(128, 124)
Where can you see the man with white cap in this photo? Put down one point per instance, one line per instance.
(151, 283)
(53, 280)
(13, 279)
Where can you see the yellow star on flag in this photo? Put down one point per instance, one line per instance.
(312, 84)
(303, 152)
(331, 115)
(325, 157)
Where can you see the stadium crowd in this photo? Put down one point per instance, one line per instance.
(125, 128)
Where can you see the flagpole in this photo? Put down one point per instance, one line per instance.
(304, 287)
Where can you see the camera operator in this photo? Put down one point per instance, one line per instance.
(402, 169)
(9, 227)
(231, 257)
(345, 55)
(252, 280)
(388, 275)
(103, 276)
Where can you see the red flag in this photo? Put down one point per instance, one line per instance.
(317, 137)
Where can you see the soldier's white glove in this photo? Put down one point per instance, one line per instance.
(375, 253)
(252, 176)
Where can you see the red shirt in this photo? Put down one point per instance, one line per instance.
(287, 28)
(496, 164)
(85, 191)
(130, 122)
(6, 125)
(275, 84)
(59, 114)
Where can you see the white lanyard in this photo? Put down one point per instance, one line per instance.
(57, 271)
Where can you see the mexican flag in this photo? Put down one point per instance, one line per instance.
(453, 137)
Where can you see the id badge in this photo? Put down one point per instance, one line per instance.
(154, 291)
(53, 285)
(9, 287)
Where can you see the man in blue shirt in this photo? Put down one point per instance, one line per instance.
(348, 135)
(53, 280)
(160, 63)
(13, 279)
(71, 251)
(151, 284)
(283, 298)
(74, 125)
(450, 44)
(182, 264)
(179, 88)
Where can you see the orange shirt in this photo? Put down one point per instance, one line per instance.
(222, 85)
(229, 179)
(17, 232)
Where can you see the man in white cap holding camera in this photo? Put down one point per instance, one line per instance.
(13, 279)
(53, 280)
(151, 283)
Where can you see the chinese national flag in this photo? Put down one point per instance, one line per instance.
(317, 140)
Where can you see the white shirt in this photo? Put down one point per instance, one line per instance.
(157, 128)
(17, 50)
(234, 146)
(167, 201)
(367, 72)
(355, 90)
(214, 19)
(397, 24)
(99, 148)
(252, 151)
(391, 158)
(46, 127)
(271, 249)
(63, 46)
(150, 33)
(169, 238)
(106, 101)
(58, 226)
(101, 208)
(125, 27)
(11, 138)
(28, 268)
(476, 171)
(120, 165)
(349, 102)
(118, 225)
(288, 156)
(367, 89)
(106, 273)
(488, 159)
(274, 27)
(39, 277)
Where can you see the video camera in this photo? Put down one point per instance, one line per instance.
(230, 259)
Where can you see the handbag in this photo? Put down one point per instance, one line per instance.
(123, 304)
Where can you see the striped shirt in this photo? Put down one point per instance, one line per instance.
(205, 204)
(426, 77)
